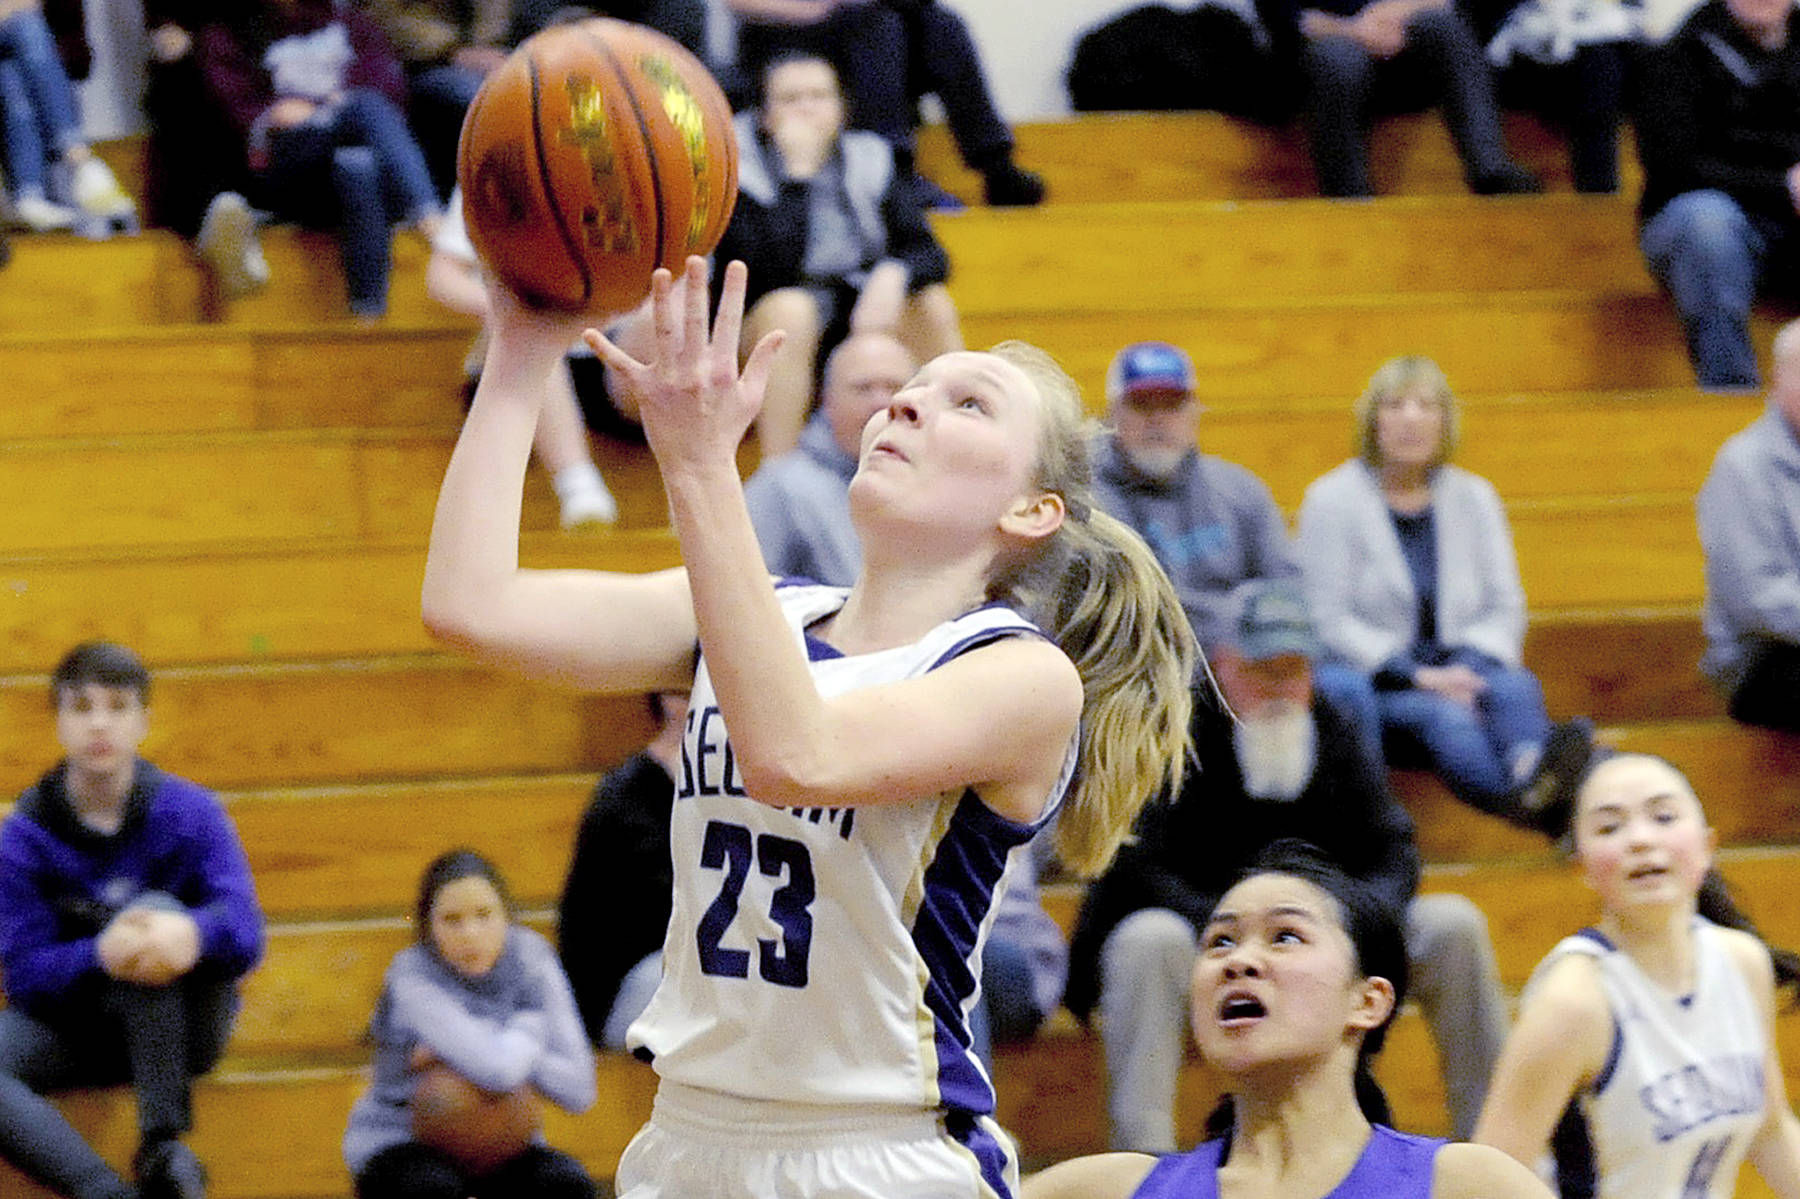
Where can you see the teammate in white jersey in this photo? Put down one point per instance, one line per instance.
(1645, 1051)
(836, 852)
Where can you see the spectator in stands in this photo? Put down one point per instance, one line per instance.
(889, 54)
(1361, 56)
(1211, 523)
(616, 900)
(453, 279)
(195, 170)
(834, 239)
(1718, 127)
(1287, 765)
(127, 915)
(1410, 573)
(800, 502)
(1566, 62)
(55, 177)
(483, 996)
(1749, 513)
(318, 99)
(447, 47)
(687, 21)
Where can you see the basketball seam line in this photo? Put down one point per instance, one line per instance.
(556, 215)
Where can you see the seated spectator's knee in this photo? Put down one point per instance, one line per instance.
(1449, 933)
(1151, 942)
(1333, 62)
(354, 166)
(1437, 26)
(1515, 685)
(931, 325)
(1706, 222)
(790, 309)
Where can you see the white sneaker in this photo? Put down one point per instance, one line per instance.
(586, 501)
(41, 216)
(97, 193)
(229, 247)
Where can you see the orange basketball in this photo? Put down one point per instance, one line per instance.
(596, 153)
(479, 1130)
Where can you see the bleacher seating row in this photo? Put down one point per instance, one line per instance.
(243, 494)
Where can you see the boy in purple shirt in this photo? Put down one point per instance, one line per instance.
(127, 915)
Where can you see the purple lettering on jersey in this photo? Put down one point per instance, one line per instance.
(1699, 1093)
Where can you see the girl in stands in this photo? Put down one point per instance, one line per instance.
(1300, 973)
(858, 764)
(486, 998)
(1645, 1050)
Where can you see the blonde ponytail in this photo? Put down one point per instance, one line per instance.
(1103, 597)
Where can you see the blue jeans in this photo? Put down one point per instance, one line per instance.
(359, 169)
(156, 1038)
(38, 104)
(1708, 252)
(635, 991)
(1349, 692)
(1441, 62)
(1472, 749)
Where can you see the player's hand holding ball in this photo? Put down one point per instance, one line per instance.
(596, 153)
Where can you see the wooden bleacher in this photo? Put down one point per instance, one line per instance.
(244, 494)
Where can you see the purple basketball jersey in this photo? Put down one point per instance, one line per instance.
(1394, 1165)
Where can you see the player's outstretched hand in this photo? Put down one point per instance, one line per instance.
(695, 403)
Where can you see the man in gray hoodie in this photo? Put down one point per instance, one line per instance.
(1749, 513)
(1211, 523)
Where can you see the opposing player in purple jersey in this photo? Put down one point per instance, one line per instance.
(1300, 972)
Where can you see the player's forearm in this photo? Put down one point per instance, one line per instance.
(758, 670)
(474, 548)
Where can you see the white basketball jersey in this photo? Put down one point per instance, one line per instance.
(829, 955)
(1681, 1095)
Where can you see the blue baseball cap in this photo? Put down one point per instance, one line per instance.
(1149, 367)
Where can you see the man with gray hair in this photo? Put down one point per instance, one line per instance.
(1211, 523)
(1277, 759)
(1749, 514)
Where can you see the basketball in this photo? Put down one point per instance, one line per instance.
(477, 1129)
(597, 152)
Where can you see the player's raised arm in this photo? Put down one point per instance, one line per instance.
(612, 632)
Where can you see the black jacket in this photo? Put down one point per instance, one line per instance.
(1188, 852)
(615, 904)
(1715, 110)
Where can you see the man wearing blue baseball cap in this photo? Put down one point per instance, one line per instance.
(1211, 523)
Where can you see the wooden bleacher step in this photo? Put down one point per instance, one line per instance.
(333, 600)
(1100, 157)
(119, 380)
(269, 490)
(1505, 342)
(1148, 256)
(422, 716)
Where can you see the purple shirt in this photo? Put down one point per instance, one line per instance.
(1393, 1165)
(62, 882)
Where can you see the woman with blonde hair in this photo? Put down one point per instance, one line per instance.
(860, 763)
(1410, 574)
